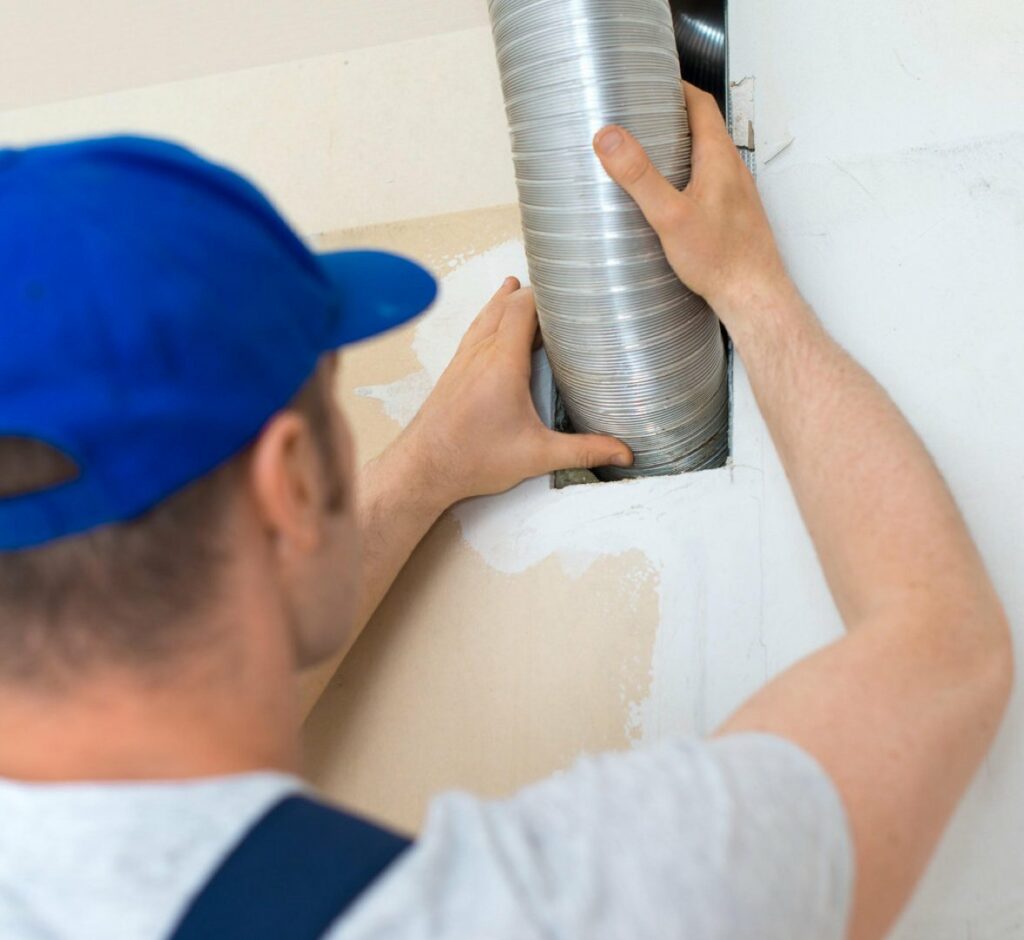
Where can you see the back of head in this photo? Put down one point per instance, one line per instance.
(132, 593)
(156, 312)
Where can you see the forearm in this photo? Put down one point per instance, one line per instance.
(396, 507)
(477, 434)
(884, 524)
(900, 712)
(882, 520)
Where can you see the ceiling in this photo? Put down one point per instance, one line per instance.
(52, 50)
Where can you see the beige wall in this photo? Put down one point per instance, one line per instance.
(368, 135)
(468, 677)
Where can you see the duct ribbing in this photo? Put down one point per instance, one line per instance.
(633, 352)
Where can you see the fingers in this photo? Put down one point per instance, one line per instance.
(706, 121)
(566, 451)
(512, 314)
(490, 316)
(713, 149)
(519, 322)
(625, 162)
(509, 286)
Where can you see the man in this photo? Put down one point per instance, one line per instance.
(180, 526)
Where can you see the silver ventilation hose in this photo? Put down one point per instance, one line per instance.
(633, 352)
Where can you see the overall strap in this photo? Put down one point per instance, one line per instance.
(291, 876)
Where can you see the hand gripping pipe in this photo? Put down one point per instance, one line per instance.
(633, 352)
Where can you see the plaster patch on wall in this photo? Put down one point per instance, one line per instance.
(463, 292)
(402, 399)
(576, 562)
(518, 530)
(440, 243)
(475, 680)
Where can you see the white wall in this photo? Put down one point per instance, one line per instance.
(898, 206)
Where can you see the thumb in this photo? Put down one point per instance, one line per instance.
(569, 451)
(626, 162)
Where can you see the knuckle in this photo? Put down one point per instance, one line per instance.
(634, 168)
(585, 457)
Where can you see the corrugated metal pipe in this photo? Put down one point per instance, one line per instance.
(633, 352)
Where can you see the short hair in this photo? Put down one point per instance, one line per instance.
(126, 592)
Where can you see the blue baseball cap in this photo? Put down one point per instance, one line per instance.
(155, 311)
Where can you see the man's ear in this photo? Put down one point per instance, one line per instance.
(287, 484)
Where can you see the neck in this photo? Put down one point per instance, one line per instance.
(224, 715)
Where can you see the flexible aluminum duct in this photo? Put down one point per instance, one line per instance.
(634, 353)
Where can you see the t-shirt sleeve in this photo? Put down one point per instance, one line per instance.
(742, 836)
(730, 839)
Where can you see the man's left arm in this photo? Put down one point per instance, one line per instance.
(478, 433)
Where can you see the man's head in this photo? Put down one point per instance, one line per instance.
(141, 592)
(168, 428)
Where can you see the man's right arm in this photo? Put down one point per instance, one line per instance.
(901, 711)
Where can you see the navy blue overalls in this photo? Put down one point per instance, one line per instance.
(291, 876)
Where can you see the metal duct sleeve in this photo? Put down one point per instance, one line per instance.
(634, 353)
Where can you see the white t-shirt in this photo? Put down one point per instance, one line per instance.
(740, 838)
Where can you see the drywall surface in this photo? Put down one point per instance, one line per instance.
(370, 135)
(894, 180)
(472, 675)
(888, 139)
(898, 203)
(708, 571)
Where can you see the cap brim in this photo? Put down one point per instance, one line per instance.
(378, 291)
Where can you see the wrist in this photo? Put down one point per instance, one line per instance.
(758, 312)
(403, 476)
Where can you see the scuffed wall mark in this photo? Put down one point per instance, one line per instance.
(696, 531)
(903, 65)
(980, 188)
(846, 172)
(993, 149)
(776, 149)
